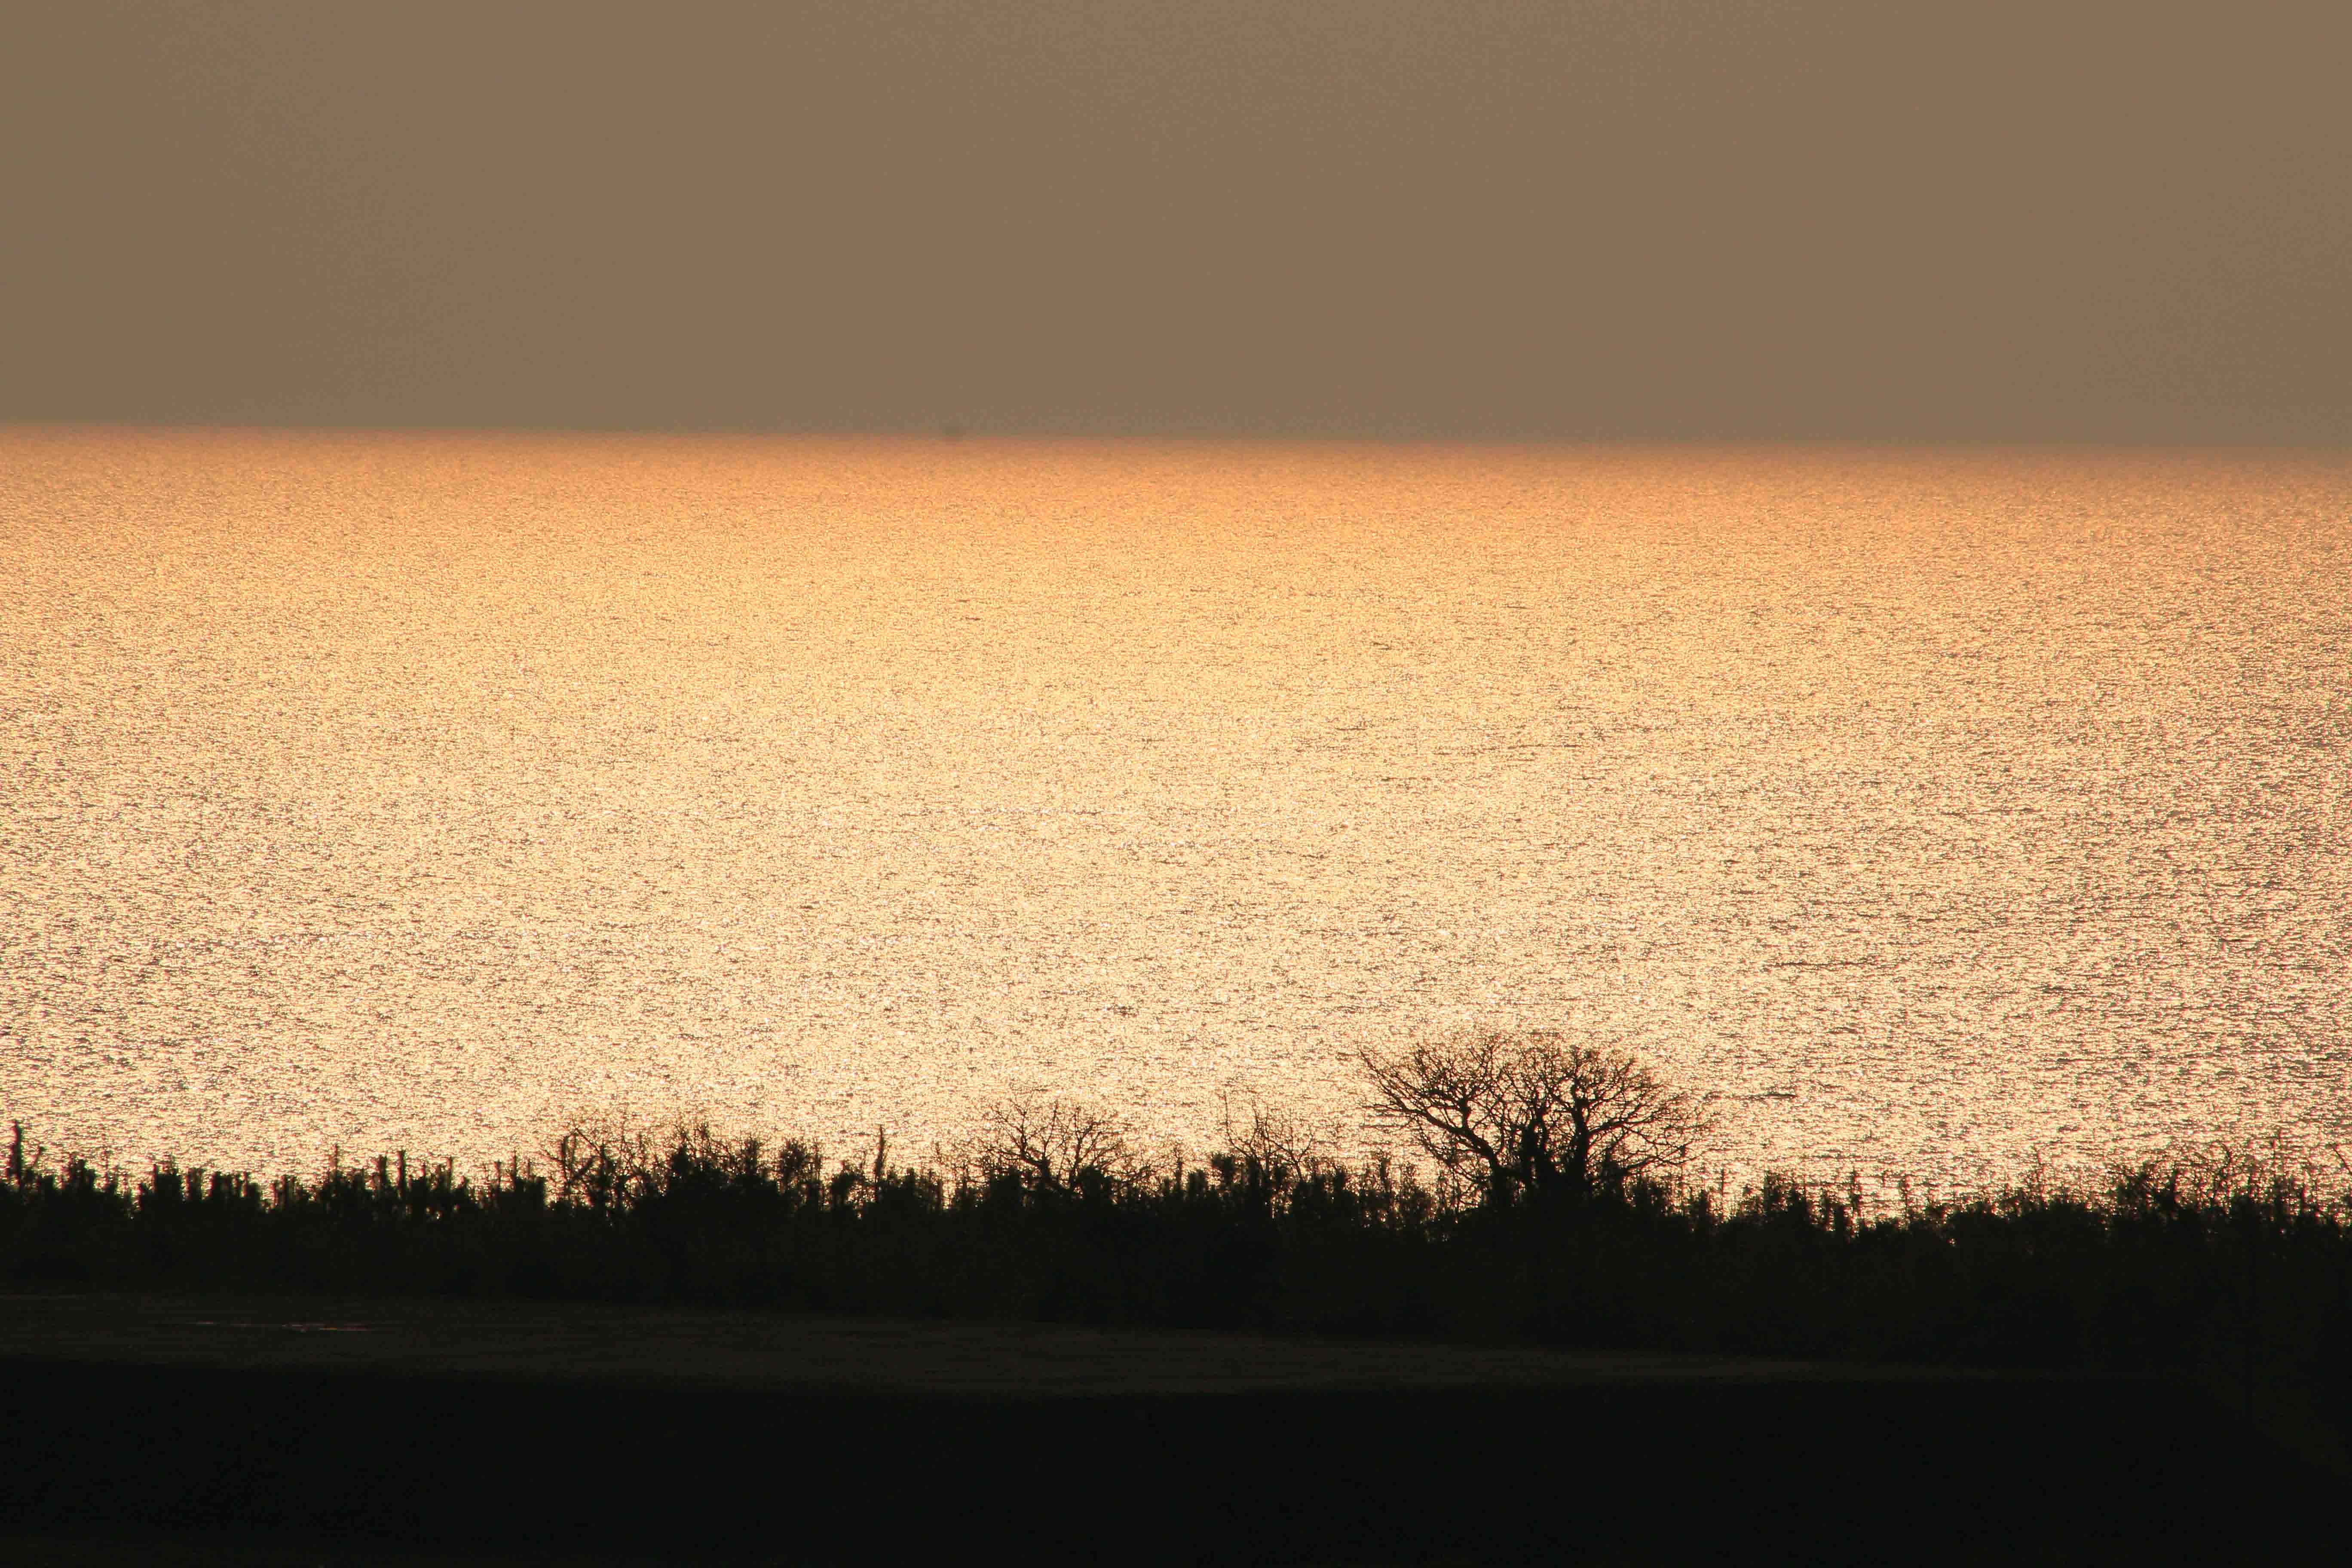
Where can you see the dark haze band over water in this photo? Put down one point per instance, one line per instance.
(2055, 220)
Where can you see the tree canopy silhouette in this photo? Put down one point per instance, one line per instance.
(1534, 1114)
(1056, 1146)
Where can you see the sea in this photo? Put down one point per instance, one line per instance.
(1931, 815)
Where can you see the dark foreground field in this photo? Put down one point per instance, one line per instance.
(205, 1429)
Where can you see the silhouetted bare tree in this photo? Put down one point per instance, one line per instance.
(1533, 1113)
(1284, 1146)
(1051, 1146)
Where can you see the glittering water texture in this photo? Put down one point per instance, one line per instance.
(1925, 809)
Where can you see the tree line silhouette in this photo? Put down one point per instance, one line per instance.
(1558, 1210)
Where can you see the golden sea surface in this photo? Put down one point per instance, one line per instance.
(1924, 809)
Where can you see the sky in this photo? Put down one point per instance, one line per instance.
(2063, 220)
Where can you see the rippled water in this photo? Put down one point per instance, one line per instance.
(1926, 809)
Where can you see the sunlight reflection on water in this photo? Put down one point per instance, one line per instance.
(1925, 809)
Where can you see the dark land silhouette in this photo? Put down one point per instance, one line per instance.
(1560, 1211)
(2167, 1271)
(544, 1359)
(1655, 1471)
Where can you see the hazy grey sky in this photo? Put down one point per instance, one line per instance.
(1817, 219)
